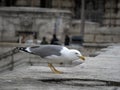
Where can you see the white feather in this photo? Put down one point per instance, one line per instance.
(28, 49)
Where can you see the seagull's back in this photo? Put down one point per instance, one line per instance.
(44, 50)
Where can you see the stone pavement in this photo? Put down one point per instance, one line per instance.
(97, 73)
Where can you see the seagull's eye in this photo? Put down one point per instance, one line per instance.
(76, 53)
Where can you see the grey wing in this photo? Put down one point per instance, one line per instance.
(46, 50)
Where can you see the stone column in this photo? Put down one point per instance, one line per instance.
(118, 15)
(82, 19)
(32, 3)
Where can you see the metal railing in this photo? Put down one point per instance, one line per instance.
(9, 53)
(8, 64)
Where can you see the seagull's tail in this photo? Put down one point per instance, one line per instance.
(22, 49)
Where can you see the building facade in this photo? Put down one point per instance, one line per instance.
(27, 23)
(105, 12)
(33, 19)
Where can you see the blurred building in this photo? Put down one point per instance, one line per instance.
(106, 12)
(103, 12)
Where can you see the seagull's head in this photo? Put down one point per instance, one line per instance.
(75, 54)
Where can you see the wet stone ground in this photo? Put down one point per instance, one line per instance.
(54, 84)
(97, 73)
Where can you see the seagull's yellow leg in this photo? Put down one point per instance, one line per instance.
(53, 69)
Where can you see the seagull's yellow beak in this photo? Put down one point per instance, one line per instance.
(82, 57)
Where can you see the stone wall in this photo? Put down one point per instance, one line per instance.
(112, 13)
(76, 27)
(25, 19)
(93, 33)
(102, 35)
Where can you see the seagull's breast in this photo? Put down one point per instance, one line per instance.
(57, 58)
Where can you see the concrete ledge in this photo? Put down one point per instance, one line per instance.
(31, 9)
(102, 45)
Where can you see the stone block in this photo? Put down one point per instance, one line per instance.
(89, 38)
(116, 38)
(107, 38)
(99, 38)
(104, 38)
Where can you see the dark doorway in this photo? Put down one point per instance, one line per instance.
(77, 9)
(46, 3)
(10, 2)
(43, 3)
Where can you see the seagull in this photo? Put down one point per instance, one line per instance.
(54, 54)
